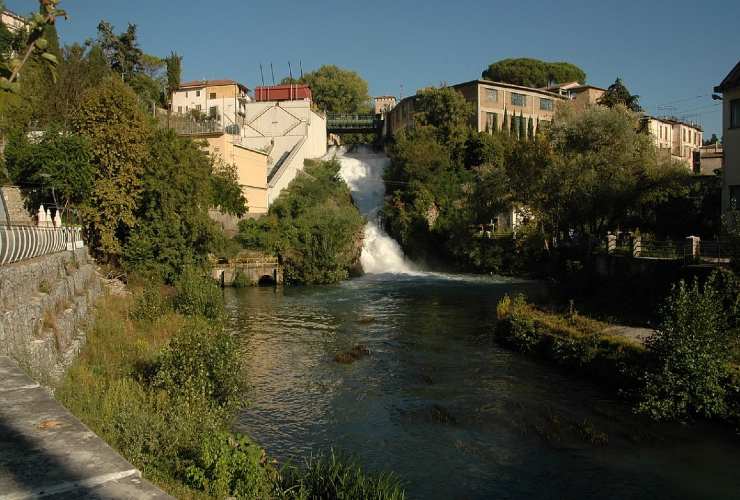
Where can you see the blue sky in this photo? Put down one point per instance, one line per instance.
(671, 53)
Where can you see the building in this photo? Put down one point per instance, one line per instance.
(289, 92)
(12, 21)
(493, 103)
(711, 157)
(674, 138)
(223, 101)
(384, 104)
(582, 95)
(730, 90)
(289, 131)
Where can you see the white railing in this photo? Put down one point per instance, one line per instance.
(26, 242)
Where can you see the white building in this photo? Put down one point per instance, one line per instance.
(221, 100)
(675, 138)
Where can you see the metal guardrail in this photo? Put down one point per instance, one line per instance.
(340, 121)
(26, 242)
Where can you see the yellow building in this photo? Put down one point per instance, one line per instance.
(223, 100)
(251, 168)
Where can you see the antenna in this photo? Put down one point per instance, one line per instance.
(290, 72)
(262, 75)
(273, 74)
(301, 65)
(400, 95)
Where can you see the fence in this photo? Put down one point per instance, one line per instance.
(692, 249)
(26, 242)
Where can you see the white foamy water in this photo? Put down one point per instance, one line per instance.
(363, 172)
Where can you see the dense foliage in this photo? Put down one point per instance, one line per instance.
(587, 173)
(691, 352)
(533, 72)
(618, 94)
(313, 227)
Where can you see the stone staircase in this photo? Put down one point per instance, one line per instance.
(45, 304)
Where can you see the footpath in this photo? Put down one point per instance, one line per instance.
(45, 452)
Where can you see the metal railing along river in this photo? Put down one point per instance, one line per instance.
(20, 242)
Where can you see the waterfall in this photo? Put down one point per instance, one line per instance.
(362, 170)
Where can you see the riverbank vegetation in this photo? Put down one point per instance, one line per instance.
(688, 368)
(313, 227)
(160, 380)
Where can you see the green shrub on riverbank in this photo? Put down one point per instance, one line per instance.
(313, 227)
(690, 356)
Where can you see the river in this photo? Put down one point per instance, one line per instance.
(438, 402)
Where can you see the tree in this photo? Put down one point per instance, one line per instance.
(533, 72)
(505, 124)
(617, 93)
(515, 126)
(55, 170)
(690, 354)
(174, 73)
(110, 118)
(446, 111)
(712, 140)
(337, 90)
(172, 229)
(530, 129)
(226, 192)
(121, 51)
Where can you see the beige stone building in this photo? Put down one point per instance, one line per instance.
(711, 159)
(730, 89)
(12, 21)
(384, 104)
(582, 95)
(675, 138)
(222, 100)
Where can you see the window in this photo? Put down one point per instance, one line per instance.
(179, 110)
(213, 111)
(212, 95)
(684, 134)
(197, 93)
(186, 94)
(491, 122)
(546, 104)
(518, 99)
(197, 106)
(735, 113)
(492, 94)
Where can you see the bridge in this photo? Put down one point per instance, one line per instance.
(339, 123)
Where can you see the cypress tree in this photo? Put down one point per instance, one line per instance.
(530, 128)
(515, 125)
(522, 127)
(495, 122)
(505, 126)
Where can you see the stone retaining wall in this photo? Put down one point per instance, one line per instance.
(45, 304)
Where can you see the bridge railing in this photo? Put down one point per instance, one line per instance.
(18, 242)
(351, 121)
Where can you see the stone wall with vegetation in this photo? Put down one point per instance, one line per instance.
(45, 303)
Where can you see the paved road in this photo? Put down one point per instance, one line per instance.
(45, 452)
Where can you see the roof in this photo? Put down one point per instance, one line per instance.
(731, 81)
(211, 83)
(674, 121)
(384, 97)
(510, 86)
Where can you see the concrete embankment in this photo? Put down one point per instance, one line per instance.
(46, 452)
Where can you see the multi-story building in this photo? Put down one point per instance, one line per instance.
(12, 21)
(384, 104)
(730, 90)
(493, 103)
(222, 100)
(711, 157)
(674, 138)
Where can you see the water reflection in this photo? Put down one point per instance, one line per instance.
(438, 402)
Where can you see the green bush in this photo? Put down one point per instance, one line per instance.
(198, 295)
(201, 363)
(228, 465)
(516, 326)
(240, 280)
(690, 352)
(150, 304)
(334, 477)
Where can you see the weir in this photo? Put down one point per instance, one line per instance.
(362, 170)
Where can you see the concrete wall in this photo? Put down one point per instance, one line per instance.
(731, 143)
(45, 303)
